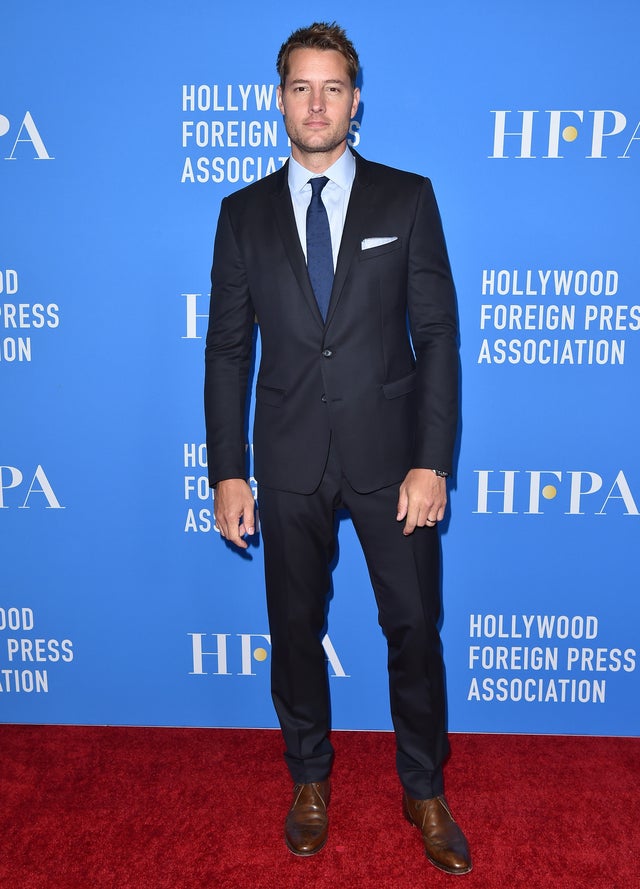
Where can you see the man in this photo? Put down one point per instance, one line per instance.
(332, 254)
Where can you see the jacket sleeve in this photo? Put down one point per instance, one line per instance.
(434, 333)
(228, 356)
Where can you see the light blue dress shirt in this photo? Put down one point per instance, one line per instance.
(335, 197)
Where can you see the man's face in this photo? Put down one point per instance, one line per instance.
(318, 103)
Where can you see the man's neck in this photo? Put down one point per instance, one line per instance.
(318, 161)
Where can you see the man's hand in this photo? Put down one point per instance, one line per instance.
(422, 499)
(234, 509)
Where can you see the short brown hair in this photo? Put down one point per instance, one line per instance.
(319, 35)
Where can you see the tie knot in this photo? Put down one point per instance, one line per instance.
(317, 184)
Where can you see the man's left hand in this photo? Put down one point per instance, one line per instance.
(422, 499)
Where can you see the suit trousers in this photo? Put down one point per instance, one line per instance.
(299, 534)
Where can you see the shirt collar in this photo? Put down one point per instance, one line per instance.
(342, 172)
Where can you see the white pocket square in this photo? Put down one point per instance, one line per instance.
(368, 243)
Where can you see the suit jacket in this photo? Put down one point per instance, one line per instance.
(380, 375)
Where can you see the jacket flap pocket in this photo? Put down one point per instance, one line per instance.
(400, 387)
(270, 395)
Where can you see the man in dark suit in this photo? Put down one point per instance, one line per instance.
(338, 259)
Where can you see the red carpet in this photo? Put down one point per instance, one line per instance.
(144, 808)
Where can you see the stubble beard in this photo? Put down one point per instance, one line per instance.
(333, 141)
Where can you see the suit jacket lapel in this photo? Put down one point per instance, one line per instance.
(357, 212)
(285, 219)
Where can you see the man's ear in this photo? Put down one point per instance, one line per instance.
(356, 101)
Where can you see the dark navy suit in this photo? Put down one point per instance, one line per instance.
(344, 408)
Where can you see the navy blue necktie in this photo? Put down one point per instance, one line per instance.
(319, 254)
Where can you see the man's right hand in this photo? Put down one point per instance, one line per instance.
(234, 509)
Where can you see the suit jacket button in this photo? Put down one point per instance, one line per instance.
(327, 353)
(324, 398)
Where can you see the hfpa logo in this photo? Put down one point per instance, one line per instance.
(600, 131)
(196, 321)
(16, 487)
(236, 655)
(25, 132)
(509, 492)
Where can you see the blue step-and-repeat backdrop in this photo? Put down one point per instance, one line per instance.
(122, 126)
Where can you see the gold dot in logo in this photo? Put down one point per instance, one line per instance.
(260, 654)
(549, 492)
(569, 134)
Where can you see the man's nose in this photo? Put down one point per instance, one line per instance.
(316, 100)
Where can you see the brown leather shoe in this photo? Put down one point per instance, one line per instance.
(444, 842)
(307, 823)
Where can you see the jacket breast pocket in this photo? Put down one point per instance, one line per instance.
(403, 386)
(372, 252)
